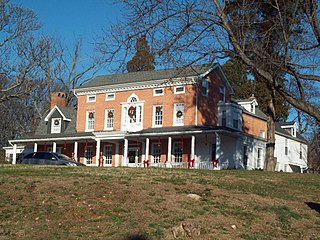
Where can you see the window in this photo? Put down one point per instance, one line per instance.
(157, 115)
(91, 98)
(286, 147)
(204, 87)
(178, 89)
(259, 158)
(252, 107)
(300, 152)
(222, 93)
(156, 153)
(235, 122)
(108, 154)
(56, 125)
(177, 152)
(178, 112)
(262, 134)
(88, 154)
(109, 119)
(224, 118)
(158, 92)
(90, 120)
(110, 96)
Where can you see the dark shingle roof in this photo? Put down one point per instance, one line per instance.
(68, 112)
(141, 76)
(282, 131)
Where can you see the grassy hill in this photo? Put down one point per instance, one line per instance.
(40, 202)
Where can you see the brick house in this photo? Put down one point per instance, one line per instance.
(165, 118)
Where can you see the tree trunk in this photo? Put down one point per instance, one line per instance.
(270, 164)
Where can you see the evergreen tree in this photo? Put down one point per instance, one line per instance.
(143, 60)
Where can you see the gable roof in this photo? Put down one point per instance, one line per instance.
(64, 112)
(151, 77)
(283, 132)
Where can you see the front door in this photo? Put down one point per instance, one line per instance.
(133, 155)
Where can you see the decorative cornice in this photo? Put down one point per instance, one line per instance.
(136, 86)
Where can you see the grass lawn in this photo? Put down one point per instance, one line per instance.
(42, 202)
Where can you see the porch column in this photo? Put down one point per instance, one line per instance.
(218, 149)
(97, 152)
(54, 147)
(116, 163)
(193, 141)
(147, 148)
(169, 149)
(14, 155)
(125, 153)
(75, 151)
(35, 147)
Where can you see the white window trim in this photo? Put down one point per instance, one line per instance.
(52, 125)
(158, 94)
(152, 152)
(106, 119)
(89, 96)
(175, 117)
(110, 99)
(175, 89)
(207, 87)
(154, 116)
(87, 120)
(105, 157)
(224, 93)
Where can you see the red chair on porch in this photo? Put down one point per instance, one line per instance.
(191, 163)
(146, 163)
(215, 163)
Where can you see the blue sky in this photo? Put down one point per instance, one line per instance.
(68, 19)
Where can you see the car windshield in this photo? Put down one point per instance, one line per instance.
(63, 157)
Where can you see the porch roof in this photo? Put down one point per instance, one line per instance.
(182, 130)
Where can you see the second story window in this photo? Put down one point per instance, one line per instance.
(157, 115)
(262, 134)
(204, 87)
(178, 89)
(109, 119)
(91, 98)
(178, 111)
(222, 93)
(224, 118)
(56, 125)
(90, 120)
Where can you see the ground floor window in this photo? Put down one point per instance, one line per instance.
(177, 152)
(156, 154)
(259, 158)
(88, 153)
(108, 154)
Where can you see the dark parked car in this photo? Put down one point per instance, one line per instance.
(49, 158)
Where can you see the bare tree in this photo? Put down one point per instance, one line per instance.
(71, 68)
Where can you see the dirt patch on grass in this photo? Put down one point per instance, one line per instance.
(91, 203)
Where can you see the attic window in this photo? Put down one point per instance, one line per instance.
(110, 96)
(91, 98)
(252, 108)
(178, 89)
(157, 91)
(56, 125)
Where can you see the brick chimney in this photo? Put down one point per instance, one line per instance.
(59, 99)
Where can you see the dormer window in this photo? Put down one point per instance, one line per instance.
(56, 125)
(252, 107)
